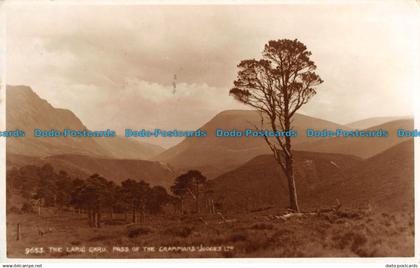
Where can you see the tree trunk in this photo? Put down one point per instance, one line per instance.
(98, 219)
(134, 220)
(18, 232)
(292, 186)
(290, 170)
(90, 217)
(143, 213)
(197, 205)
(197, 190)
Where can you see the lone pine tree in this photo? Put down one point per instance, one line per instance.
(277, 86)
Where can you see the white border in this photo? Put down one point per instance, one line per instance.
(271, 262)
(2, 126)
(416, 109)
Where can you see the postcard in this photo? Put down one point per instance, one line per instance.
(158, 130)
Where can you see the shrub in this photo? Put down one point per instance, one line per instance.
(75, 243)
(180, 231)
(135, 231)
(27, 208)
(14, 210)
(257, 242)
(238, 236)
(282, 235)
(114, 222)
(99, 238)
(349, 215)
(262, 226)
(350, 239)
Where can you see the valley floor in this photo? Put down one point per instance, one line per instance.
(346, 233)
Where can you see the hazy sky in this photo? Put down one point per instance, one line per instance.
(113, 65)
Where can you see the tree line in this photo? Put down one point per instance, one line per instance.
(42, 186)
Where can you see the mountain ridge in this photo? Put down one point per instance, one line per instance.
(26, 110)
(374, 121)
(214, 156)
(364, 147)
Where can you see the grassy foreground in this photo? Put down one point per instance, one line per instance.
(346, 233)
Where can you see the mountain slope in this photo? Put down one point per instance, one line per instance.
(25, 110)
(362, 147)
(126, 148)
(261, 183)
(385, 181)
(117, 170)
(216, 155)
(374, 121)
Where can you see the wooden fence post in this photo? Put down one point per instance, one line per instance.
(18, 232)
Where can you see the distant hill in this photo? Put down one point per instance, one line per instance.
(374, 121)
(26, 110)
(385, 181)
(214, 156)
(261, 183)
(362, 147)
(117, 170)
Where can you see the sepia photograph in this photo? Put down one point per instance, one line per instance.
(193, 130)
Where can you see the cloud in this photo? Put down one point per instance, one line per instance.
(120, 61)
